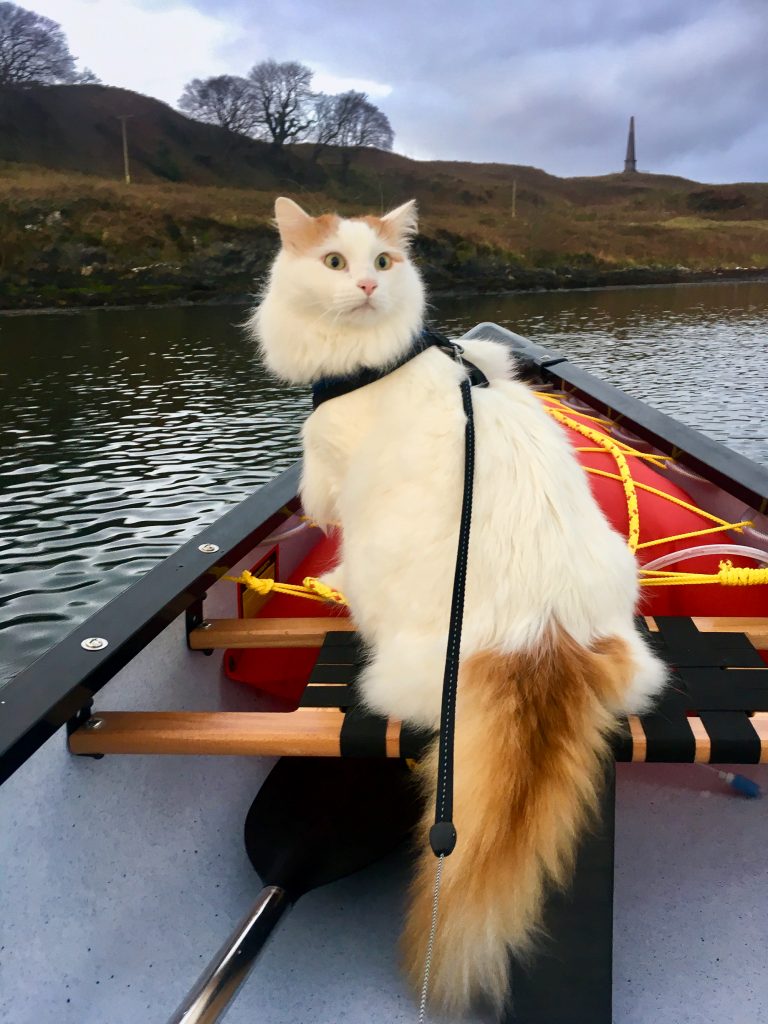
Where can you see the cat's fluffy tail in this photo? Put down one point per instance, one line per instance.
(531, 733)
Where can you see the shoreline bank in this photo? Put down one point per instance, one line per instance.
(165, 292)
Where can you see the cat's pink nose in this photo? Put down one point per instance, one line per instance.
(368, 286)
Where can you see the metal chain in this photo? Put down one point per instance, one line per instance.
(430, 944)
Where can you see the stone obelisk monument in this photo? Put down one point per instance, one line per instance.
(630, 163)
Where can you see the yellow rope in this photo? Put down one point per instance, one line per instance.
(609, 445)
(728, 576)
(693, 533)
(311, 588)
(669, 497)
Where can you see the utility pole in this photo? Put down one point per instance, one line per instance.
(126, 167)
(514, 197)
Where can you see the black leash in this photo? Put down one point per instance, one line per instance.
(442, 835)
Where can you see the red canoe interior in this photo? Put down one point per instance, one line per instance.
(284, 672)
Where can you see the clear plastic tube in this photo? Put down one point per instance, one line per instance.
(739, 550)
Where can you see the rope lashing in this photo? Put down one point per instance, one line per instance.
(728, 575)
(311, 588)
(622, 466)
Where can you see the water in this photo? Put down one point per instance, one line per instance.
(124, 432)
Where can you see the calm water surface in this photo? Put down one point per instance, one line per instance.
(124, 432)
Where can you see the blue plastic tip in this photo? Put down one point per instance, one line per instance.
(745, 786)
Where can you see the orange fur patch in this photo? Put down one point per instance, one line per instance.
(532, 733)
(309, 234)
(383, 228)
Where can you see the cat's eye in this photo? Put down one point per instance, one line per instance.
(383, 261)
(335, 261)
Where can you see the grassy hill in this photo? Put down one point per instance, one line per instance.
(195, 222)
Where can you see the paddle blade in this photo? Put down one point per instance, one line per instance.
(316, 820)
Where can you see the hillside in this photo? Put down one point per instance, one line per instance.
(77, 128)
(195, 222)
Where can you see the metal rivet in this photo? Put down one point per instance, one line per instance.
(94, 723)
(94, 643)
(208, 549)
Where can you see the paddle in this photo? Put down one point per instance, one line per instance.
(313, 821)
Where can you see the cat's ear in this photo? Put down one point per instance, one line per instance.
(403, 221)
(299, 232)
(292, 222)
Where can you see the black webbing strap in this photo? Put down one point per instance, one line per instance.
(334, 387)
(442, 835)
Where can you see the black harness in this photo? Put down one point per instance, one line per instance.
(442, 836)
(333, 387)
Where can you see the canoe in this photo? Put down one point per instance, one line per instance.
(187, 662)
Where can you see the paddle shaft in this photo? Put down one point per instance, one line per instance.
(220, 981)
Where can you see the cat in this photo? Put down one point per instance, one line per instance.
(549, 654)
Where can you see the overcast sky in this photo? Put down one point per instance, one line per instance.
(550, 84)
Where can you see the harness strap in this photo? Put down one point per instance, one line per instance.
(333, 387)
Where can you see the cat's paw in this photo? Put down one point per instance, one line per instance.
(334, 579)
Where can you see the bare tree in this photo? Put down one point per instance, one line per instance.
(225, 100)
(325, 127)
(333, 118)
(283, 100)
(366, 125)
(86, 77)
(33, 49)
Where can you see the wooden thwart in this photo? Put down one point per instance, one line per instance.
(310, 632)
(703, 716)
(311, 732)
(249, 633)
(754, 628)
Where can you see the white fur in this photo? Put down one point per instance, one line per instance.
(386, 461)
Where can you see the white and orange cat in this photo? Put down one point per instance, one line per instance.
(549, 652)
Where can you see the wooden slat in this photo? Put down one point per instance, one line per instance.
(309, 632)
(308, 731)
(703, 742)
(760, 724)
(755, 628)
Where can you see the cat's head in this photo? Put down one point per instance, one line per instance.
(343, 293)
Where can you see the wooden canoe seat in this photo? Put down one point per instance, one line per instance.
(715, 710)
(218, 634)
